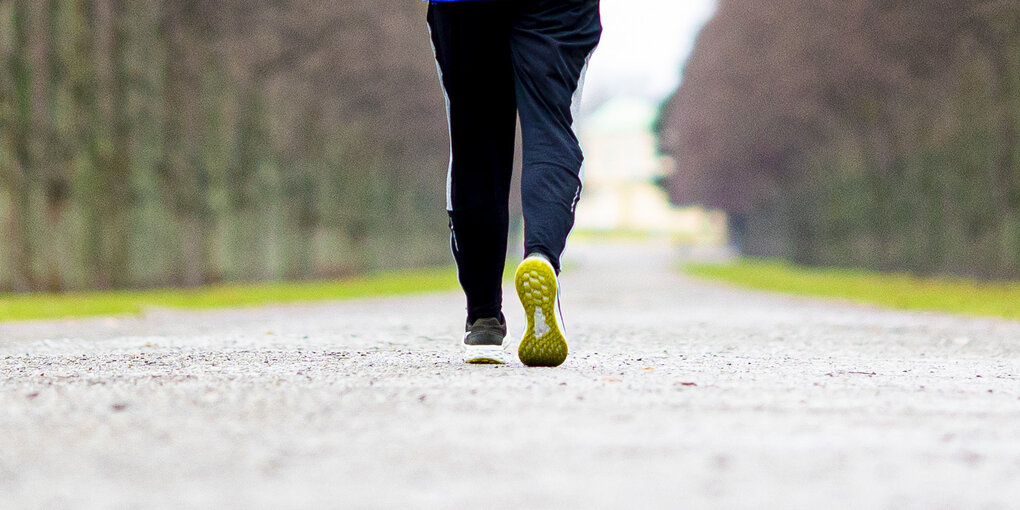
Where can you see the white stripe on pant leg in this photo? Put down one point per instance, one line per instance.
(449, 123)
(577, 197)
(449, 169)
(575, 109)
(575, 99)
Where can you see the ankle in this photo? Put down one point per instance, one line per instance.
(501, 318)
(541, 255)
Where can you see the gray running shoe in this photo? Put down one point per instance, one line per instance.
(484, 341)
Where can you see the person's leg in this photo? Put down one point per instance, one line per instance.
(471, 41)
(551, 42)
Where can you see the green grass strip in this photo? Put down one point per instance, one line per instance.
(897, 291)
(14, 307)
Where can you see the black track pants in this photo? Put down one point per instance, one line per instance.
(498, 59)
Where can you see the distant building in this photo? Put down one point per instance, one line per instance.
(621, 167)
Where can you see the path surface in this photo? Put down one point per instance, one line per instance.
(677, 394)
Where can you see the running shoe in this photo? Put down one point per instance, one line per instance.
(543, 344)
(484, 342)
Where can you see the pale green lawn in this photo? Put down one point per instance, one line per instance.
(83, 304)
(898, 291)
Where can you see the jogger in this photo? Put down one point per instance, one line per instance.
(498, 59)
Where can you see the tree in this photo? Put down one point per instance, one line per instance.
(885, 140)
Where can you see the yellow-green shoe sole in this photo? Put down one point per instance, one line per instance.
(543, 344)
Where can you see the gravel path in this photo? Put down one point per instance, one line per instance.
(677, 394)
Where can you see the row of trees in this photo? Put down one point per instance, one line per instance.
(865, 133)
(149, 142)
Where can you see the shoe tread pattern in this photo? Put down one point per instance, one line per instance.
(536, 287)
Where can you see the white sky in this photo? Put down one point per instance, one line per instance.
(644, 43)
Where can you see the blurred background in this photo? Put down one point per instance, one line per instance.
(878, 134)
(151, 143)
